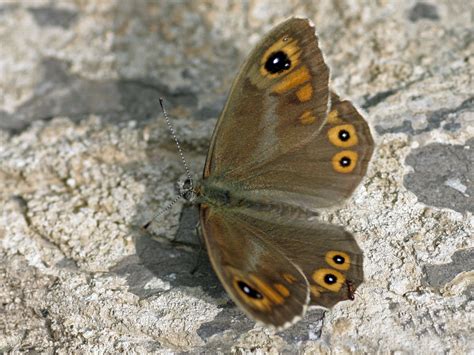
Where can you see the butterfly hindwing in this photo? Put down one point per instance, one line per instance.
(328, 255)
(256, 275)
(324, 171)
(280, 265)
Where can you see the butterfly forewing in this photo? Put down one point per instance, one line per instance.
(279, 100)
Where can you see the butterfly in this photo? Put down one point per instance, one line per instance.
(284, 147)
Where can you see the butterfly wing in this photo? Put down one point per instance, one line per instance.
(328, 255)
(273, 271)
(321, 173)
(257, 276)
(279, 100)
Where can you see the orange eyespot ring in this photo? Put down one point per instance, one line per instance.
(344, 161)
(330, 279)
(338, 260)
(343, 136)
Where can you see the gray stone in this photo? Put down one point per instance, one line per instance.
(423, 10)
(50, 16)
(443, 175)
(438, 276)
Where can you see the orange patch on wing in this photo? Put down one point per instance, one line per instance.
(282, 290)
(315, 291)
(307, 118)
(292, 80)
(304, 94)
(337, 158)
(289, 278)
(266, 290)
(333, 117)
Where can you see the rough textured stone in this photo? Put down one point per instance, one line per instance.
(86, 160)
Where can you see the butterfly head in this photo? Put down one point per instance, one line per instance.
(186, 189)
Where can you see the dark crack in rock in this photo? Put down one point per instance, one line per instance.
(443, 175)
(439, 275)
(445, 117)
(51, 16)
(423, 10)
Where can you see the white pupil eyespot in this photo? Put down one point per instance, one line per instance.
(246, 289)
(276, 60)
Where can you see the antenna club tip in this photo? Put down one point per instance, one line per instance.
(146, 225)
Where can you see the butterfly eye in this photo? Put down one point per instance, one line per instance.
(249, 291)
(277, 62)
(187, 184)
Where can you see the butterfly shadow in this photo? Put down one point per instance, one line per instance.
(178, 260)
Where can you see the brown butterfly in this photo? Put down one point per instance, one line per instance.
(284, 147)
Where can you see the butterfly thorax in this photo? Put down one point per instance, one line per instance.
(222, 195)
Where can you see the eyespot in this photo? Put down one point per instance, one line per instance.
(338, 260)
(280, 58)
(277, 62)
(345, 161)
(249, 291)
(330, 279)
(343, 136)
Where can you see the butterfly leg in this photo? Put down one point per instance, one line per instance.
(201, 247)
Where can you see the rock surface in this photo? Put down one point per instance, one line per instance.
(85, 160)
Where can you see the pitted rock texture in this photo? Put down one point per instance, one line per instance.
(86, 159)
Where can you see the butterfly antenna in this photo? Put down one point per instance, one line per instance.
(173, 133)
(166, 209)
(180, 151)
